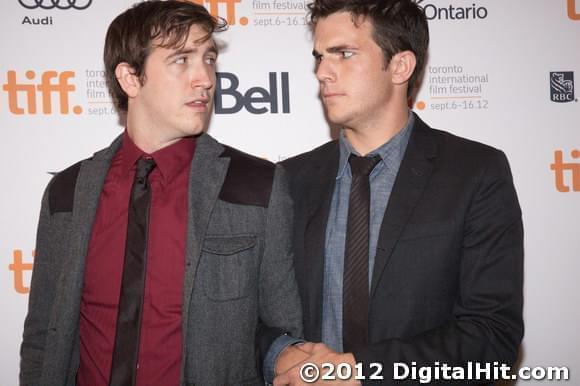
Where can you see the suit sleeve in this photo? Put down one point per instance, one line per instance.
(280, 310)
(42, 286)
(487, 322)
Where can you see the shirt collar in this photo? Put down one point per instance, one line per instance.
(169, 160)
(394, 147)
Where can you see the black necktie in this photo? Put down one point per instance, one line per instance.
(126, 350)
(356, 255)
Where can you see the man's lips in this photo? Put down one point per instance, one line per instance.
(200, 104)
(327, 95)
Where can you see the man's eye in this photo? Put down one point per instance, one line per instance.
(181, 60)
(346, 54)
(210, 60)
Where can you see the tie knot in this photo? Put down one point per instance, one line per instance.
(144, 168)
(362, 166)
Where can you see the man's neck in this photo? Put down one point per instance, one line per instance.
(146, 138)
(373, 135)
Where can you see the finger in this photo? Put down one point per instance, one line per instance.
(282, 380)
(306, 347)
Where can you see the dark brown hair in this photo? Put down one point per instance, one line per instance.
(399, 25)
(131, 35)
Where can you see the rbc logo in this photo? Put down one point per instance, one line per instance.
(562, 86)
(256, 99)
(28, 92)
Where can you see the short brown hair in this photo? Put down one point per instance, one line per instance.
(130, 36)
(399, 25)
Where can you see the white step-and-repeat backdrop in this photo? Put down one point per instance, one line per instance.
(500, 72)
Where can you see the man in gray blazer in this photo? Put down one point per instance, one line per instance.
(165, 258)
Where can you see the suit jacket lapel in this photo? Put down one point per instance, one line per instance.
(317, 209)
(206, 177)
(414, 174)
(88, 189)
(89, 185)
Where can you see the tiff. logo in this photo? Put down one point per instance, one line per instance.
(20, 268)
(572, 13)
(230, 9)
(571, 169)
(51, 83)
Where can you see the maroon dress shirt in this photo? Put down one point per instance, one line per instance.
(161, 341)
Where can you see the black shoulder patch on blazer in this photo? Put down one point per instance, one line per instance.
(62, 190)
(249, 179)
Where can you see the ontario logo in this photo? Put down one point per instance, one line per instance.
(562, 87)
(453, 12)
(56, 4)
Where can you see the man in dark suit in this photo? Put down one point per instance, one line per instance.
(408, 240)
(164, 259)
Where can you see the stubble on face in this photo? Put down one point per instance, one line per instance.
(176, 97)
(356, 85)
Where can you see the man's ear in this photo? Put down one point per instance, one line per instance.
(126, 77)
(402, 65)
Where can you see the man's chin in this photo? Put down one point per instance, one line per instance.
(195, 131)
(336, 120)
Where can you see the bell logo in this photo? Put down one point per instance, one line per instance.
(573, 14)
(255, 100)
(47, 87)
(19, 268)
(561, 169)
(228, 5)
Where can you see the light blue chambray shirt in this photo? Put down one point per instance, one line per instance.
(381, 179)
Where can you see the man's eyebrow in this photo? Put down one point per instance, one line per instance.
(334, 49)
(186, 51)
(182, 51)
(340, 48)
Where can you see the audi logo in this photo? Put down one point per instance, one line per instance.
(58, 4)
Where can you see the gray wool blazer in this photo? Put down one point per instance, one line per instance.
(239, 290)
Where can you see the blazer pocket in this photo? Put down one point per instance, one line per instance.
(430, 229)
(227, 262)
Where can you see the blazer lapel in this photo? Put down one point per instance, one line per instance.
(206, 177)
(414, 174)
(89, 185)
(88, 189)
(317, 211)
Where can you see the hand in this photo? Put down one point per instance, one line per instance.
(319, 353)
(290, 357)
